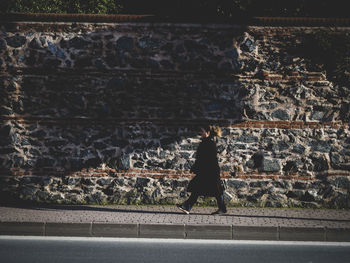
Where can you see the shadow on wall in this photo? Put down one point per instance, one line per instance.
(80, 101)
(106, 99)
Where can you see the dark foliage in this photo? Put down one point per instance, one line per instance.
(185, 9)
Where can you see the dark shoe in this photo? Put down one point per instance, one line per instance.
(219, 212)
(183, 209)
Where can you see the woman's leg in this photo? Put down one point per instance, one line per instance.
(188, 204)
(221, 203)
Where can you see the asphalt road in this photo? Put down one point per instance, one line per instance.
(62, 249)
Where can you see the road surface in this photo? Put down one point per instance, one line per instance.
(84, 250)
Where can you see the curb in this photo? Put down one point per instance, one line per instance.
(222, 232)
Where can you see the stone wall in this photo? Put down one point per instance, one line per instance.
(111, 113)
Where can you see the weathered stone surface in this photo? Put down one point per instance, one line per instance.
(16, 41)
(264, 193)
(317, 115)
(295, 194)
(281, 184)
(320, 163)
(336, 160)
(138, 108)
(341, 183)
(299, 185)
(291, 166)
(320, 146)
(345, 111)
(259, 184)
(248, 45)
(270, 166)
(236, 184)
(35, 44)
(149, 43)
(71, 181)
(298, 149)
(125, 43)
(248, 138)
(78, 43)
(2, 45)
(28, 190)
(142, 182)
(45, 162)
(87, 181)
(281, 114)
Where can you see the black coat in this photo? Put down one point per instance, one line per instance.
(206, 167)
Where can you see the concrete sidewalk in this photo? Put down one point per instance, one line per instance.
(169, 222)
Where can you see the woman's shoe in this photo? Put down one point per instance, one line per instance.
(183, 209)
(219, 212)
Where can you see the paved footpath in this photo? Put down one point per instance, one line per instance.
(169, 222)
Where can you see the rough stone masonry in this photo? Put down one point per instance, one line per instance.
(111, 113)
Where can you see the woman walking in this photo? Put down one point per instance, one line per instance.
(207, 180)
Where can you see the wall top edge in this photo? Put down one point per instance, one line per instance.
(147, 18)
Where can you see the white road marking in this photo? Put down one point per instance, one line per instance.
(178, 241)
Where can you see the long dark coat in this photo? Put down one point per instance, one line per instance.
(207, 180)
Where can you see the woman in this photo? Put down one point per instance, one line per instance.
(207, 180)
